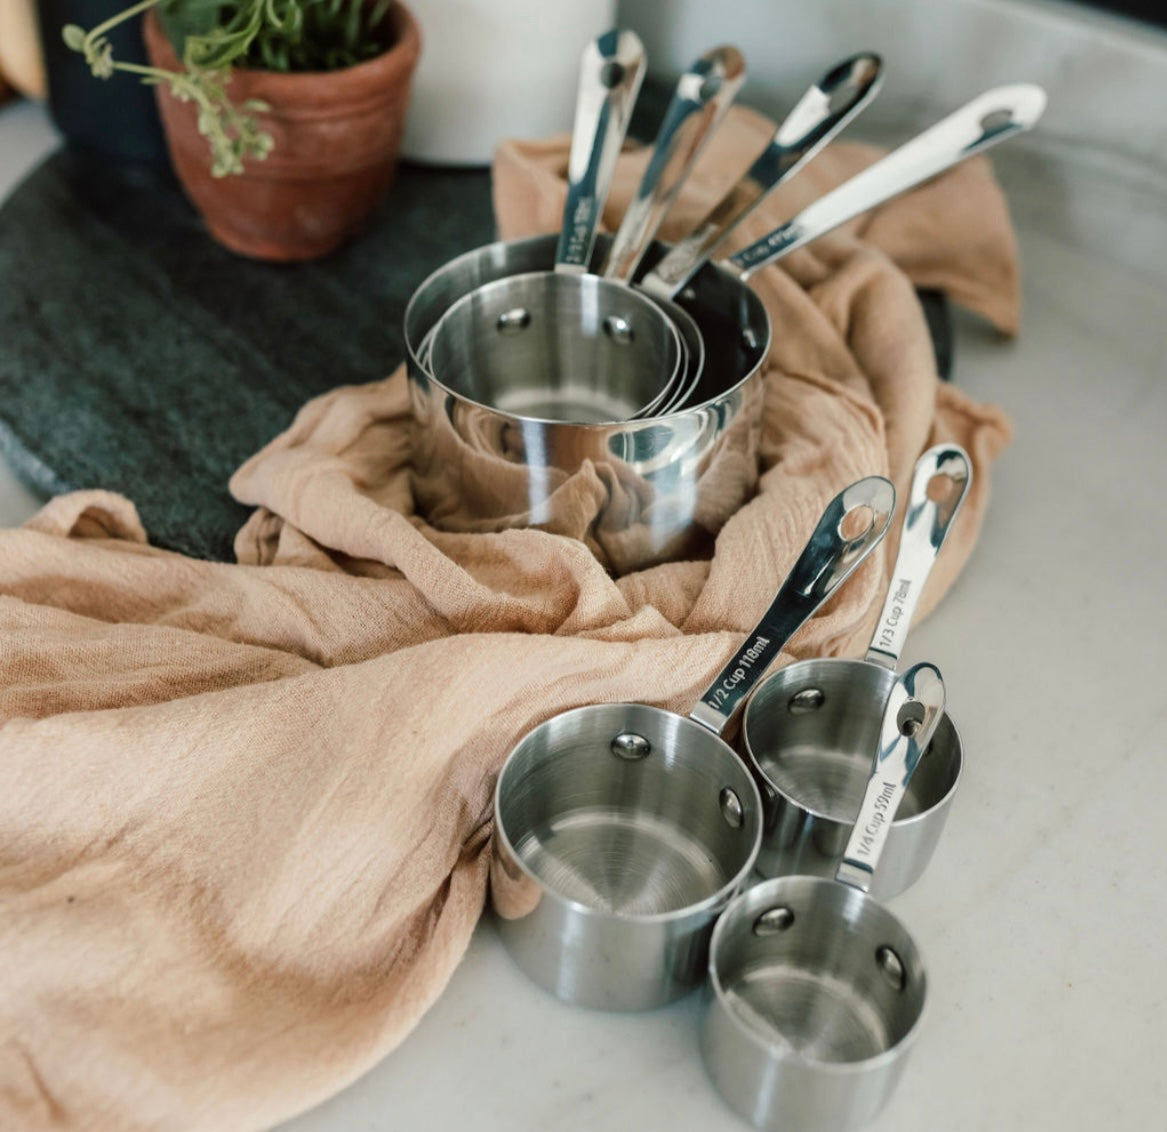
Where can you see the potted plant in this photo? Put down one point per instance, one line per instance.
(283, 118)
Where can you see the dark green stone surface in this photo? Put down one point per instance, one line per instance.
(139, 356)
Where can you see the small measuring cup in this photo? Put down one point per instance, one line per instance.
(522, 345)
(552, 347)
(476, 337)
(809, 729)
(703, 96)
(623, 830)
(569, 346)
(816, 991)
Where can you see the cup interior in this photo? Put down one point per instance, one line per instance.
(812, 729)
(814, 970)
(629, 811)
(733, 325)
(549, 346)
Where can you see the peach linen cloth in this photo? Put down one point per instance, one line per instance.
(246, 816)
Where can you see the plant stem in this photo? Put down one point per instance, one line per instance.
(120, 18)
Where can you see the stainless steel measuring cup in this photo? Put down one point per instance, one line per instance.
(809, 729)
(816, 992)
(575, 348)
(467, 343)
(622, 830)
(662, 479)
(543, 344)
(663, 486)
(551, 347)
(702, 97)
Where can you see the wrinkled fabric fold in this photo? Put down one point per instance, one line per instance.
(246, 825)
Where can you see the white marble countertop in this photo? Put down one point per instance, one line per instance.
(1042, 918)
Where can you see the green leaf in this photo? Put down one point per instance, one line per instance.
(352, 30)
(74, 37)
(217, 49)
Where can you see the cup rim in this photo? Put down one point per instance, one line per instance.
(778, 1051)
(709, 904)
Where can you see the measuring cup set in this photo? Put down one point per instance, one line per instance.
(619, 359)
(627, 837)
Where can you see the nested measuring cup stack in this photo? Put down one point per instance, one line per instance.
(580, 343)
(638, 856)
(617, 364)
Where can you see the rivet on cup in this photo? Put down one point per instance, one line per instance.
(891, 966)
(774, 921)
(731, 808)
(512, 321)
(619, 330)
(806, 701)
(628, 745)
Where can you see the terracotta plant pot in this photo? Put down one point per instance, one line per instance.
(337, 135)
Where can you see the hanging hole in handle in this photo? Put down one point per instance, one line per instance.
(996, 120)
(940, 487)
(612, 75)
(709, 88)
(910, 718)
(843, 81)
(774, 921)
(891, 967)
(856, 523)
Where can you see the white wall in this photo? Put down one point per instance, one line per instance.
(938, 54)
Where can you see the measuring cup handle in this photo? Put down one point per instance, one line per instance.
(703, 95)
(913, 710)
(826, 562)
(984, 122)
(927, 522)
(817, 117)
(611, 71)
